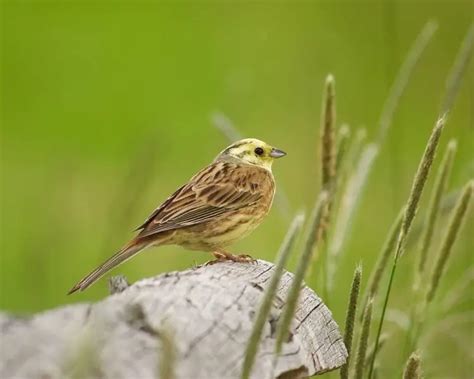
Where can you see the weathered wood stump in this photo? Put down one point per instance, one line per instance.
(208, 310)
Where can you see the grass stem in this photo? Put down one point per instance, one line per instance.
(409, 215)
(434, 206)
(382, 261)
(347, 209)
(266, 304)
(449, 239)
(302, 267)
(363, 341)
(168, 354)
(350, 318)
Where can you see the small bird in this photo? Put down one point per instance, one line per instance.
(221, 204)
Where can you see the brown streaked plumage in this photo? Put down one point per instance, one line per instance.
(219, 205)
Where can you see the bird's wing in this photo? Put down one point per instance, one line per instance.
(220, 188)
(159, 209)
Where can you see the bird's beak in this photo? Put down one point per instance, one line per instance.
(275, 153)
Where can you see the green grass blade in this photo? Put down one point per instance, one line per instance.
(168, 355)
(363, 341)
(439, 189)
(409, 215)
(368, 358)
(419, 183)
(434, 211)
(350, 318)
(449, 239)
(347, 210)
(266, 304)
(302, 267)
(343, 221)
(382, 261)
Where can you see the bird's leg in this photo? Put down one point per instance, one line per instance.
(223, 256)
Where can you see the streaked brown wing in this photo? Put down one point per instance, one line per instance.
(219, 188)
(159, 209)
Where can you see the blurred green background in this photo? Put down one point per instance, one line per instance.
(106, 109)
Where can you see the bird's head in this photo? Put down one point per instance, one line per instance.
(251, 151)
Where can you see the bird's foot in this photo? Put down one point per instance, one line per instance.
(222, 256)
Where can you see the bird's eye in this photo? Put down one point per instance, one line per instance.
(258, 151)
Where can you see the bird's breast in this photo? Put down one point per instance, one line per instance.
(234, 225)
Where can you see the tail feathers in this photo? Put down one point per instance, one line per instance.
(124, 254)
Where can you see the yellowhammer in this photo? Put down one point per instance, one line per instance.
(221, 204)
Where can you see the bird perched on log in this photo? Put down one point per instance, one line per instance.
(221, 204)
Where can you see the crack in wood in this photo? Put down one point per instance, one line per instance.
(215, 322)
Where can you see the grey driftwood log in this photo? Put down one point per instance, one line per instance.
(208, 310)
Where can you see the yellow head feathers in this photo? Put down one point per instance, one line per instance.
(251, 151)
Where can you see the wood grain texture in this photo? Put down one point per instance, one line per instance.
(208, 310)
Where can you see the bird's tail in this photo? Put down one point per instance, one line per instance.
(128, 251)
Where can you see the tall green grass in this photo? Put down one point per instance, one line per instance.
(342, 183)
(350, 319)
(266, 304)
